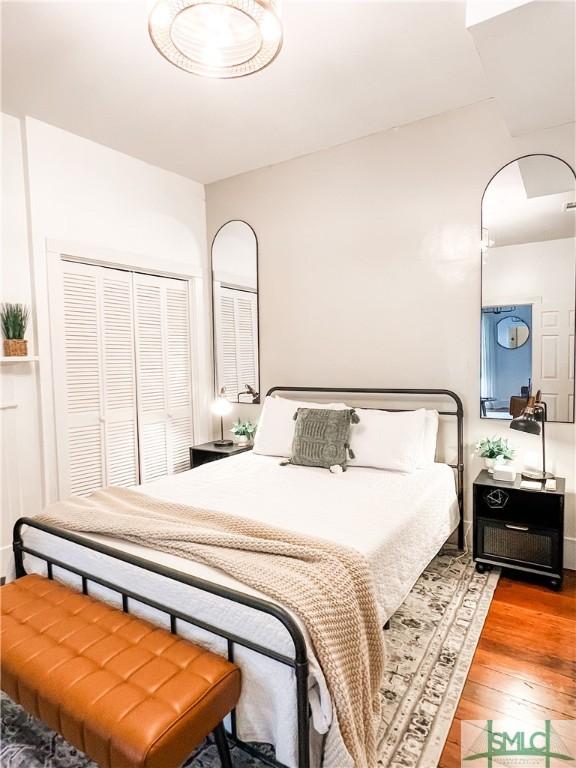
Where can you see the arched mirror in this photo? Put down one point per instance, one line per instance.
(528, 288)
(235, 308)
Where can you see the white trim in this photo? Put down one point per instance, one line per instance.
(56, 326)
(570, 553)
(509, 302)
(69, 250)
(18, 359)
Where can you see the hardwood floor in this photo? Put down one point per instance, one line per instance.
(525, 663)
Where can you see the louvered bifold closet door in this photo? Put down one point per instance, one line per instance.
(237, 340)
(119, 378)
(163, 374)
(97, 441)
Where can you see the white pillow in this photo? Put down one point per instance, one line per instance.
(430, 438)
(388, 440)
(276, 424)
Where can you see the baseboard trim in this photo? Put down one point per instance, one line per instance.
(570, 553)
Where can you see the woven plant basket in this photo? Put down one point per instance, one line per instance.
(15, 347)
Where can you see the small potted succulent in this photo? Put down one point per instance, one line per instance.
(243, 431)
(14, 319)
(494, 450)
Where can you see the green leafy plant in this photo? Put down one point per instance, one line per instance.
(494, 448)
(14, 319)
(244, 429)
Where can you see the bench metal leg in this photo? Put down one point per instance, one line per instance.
(222, 744)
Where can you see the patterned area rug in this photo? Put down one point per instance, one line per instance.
(430, 647)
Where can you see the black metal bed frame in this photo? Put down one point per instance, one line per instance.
(299, 661)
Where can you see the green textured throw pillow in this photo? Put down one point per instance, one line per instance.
(322, 438)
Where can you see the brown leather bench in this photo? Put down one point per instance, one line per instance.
(128, 694)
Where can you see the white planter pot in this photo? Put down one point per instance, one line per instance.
(491, 463)
(241, 440)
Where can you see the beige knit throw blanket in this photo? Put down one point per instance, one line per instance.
(328, 586)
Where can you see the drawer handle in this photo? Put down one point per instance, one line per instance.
(517, 527)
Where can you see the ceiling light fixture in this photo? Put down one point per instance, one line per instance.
(220, 38)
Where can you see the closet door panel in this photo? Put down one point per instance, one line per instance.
(178, 375)
(153, 450)
(119, 377)
(226, 336)
(150, 361)
(237, 340)
(150, 344)
(81, 342)
(163, 374)
(178, 345)
(85, 459)
(96, 413)
(247, 339)
(81, 431)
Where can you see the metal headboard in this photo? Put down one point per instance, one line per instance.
(447, 393)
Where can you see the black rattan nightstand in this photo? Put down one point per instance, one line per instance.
(202, 454)
(519, 528)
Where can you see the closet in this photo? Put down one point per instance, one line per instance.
(122, 367)
(236, 317)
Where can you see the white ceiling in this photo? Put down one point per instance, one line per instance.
(527, 50)
(348, 68)
(511, 214)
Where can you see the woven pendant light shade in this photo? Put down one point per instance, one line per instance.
(220, 38)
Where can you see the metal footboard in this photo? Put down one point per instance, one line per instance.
(299, 662)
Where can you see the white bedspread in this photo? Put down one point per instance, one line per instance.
(398, 521)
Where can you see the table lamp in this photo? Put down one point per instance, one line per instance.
(532, 420)
(222, 407)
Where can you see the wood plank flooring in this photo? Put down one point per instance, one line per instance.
(525, 662)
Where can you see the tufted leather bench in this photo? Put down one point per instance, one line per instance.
(128, 694)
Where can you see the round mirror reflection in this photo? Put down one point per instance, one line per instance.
(512, 332)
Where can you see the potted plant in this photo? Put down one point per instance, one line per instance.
(494, 450)
(14, 318)
(243, 431)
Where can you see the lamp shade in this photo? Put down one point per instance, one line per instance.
(526, 423)
(221, 406)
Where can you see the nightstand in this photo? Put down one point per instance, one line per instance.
(519, 528)
(203, 454)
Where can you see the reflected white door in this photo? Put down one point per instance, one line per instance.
(553, 358)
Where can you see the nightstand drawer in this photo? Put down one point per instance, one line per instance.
(515, 544)
(517, 506)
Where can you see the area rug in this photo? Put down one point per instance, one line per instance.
(430, 646)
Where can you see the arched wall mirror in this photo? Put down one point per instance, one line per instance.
(235, 312)
(528, 288)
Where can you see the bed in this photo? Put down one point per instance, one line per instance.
(398, 521)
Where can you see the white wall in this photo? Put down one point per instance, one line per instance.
(513, 273)
(370, 263)
(88, 200)
(21, 478)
